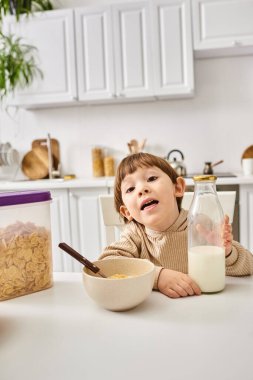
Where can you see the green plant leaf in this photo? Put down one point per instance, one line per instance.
(18, 7)
(18, 66)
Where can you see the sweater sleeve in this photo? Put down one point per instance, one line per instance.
(121, 248)
(240, 261)
(129, 246)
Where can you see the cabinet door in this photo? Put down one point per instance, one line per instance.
(222, 27)
(52, 33)
(86, 221)
(173, 48)
(132, 49)
(94, 48)
(60, 227)
(246, 216)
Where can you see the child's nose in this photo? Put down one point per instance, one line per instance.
(144, 190)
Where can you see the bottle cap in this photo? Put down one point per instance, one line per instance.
(201, 178)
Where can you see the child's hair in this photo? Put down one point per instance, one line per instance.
(131, 163)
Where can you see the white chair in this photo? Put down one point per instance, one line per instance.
(110, 218)
(226, 198)
(114, 223)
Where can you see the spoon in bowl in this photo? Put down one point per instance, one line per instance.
(88, 264)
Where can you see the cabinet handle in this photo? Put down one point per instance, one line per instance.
(119, 95)
(237, 43)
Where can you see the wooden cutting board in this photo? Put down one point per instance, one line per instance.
(248, 153)
(55, 147)
(35, 163)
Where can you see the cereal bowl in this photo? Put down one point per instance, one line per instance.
(131, 282)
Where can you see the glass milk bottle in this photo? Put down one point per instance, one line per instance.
(206, 254)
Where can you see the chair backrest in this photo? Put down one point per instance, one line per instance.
(226, 198)
(111, 220)
(114, 223)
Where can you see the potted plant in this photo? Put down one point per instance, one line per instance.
(17, 7)
(18, 66)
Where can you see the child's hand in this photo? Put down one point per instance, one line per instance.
(176, 284)
(227, 235)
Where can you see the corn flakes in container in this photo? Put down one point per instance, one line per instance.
(25, 243)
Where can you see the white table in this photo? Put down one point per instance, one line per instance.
(61, 334)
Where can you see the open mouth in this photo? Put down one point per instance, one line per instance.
(149, 203)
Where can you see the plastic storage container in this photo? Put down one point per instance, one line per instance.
(206, 253)
(25, 243)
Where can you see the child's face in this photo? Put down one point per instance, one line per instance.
(149, 197)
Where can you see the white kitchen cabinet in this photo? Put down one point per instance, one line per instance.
(85, 221)
(114, 52)
(222, 27)
(52, 32)
(61, 230)
(94, 53)
(246, 216)
(172, 40)
(76, 220)
(132, 50)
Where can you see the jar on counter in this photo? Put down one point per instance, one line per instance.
(109, 166)
(97, 162)
(25, 243)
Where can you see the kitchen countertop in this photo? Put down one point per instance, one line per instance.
(100, 182)
(60, 333)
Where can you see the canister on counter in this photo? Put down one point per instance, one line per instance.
(25, 243)
(97, 162)
(109, 166)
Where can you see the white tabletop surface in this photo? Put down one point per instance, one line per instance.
(61, 334)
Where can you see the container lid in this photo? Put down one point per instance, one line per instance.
(22, 197)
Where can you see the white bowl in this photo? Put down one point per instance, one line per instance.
(124, 293)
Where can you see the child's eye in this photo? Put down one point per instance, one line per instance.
(130, 189)
(152, 178)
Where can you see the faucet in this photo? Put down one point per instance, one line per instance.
(52, 172)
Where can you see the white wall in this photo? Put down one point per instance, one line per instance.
(216, 124)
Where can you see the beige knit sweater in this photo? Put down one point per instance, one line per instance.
(168, 249)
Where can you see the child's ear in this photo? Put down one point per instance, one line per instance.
(124, 211)
(180, 187)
